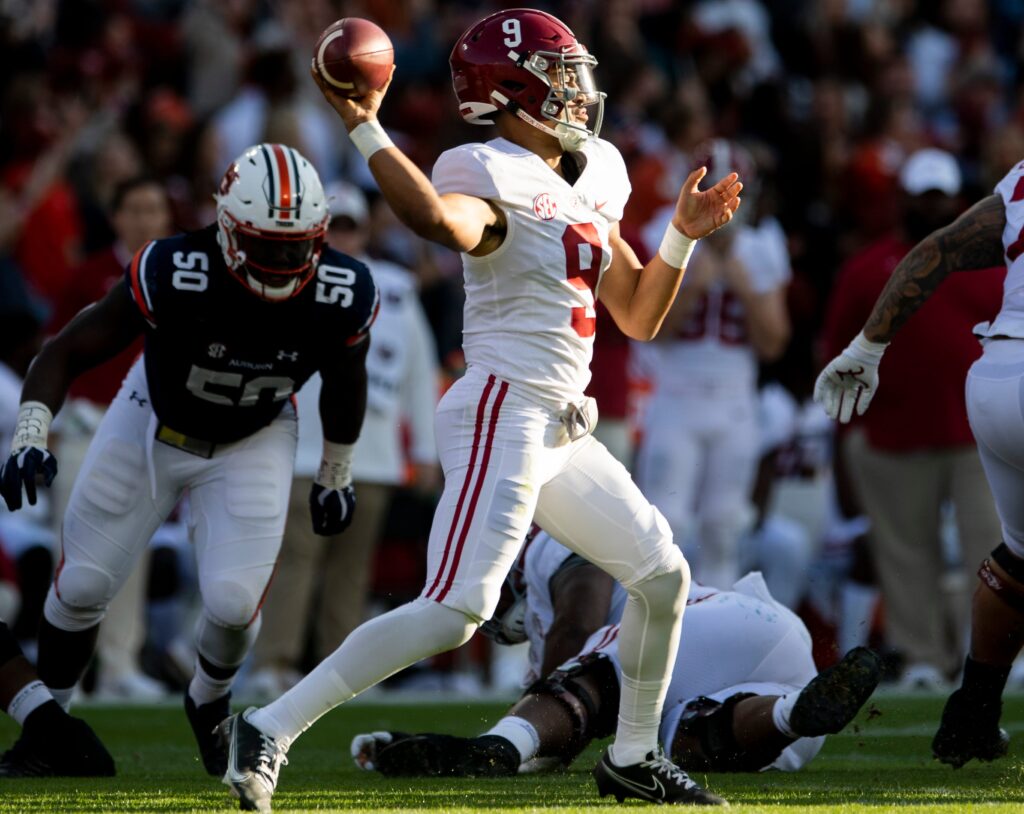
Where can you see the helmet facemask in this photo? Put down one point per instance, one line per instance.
(572, 92)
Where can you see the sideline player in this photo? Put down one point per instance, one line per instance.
(236, 316)
(988, 234)
(745, 695)
(52, 743)
(535, 215)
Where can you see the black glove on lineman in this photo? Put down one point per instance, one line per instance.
(22, 468)
(332, 509)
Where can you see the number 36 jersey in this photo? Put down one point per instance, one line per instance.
(220, 361)
(529, 313)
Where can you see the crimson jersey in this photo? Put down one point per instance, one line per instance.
(220, 361)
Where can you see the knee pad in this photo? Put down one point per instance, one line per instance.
(230, 604)
(453, 626)
(668, 586)
(223, 646)
(710, 722)
(591, 717)
(64, 615)
(1009, 591)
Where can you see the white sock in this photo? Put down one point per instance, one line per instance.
(648, 643)
(520, 733)
(372, 652)
(63, 697)
(204, 688)
(780, 714)
(28, 699)
(856, 607)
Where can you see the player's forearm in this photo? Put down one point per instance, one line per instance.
(411, 196)
(656, 288)
(343, 401)
(972, 241)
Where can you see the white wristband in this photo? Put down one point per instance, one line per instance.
(676, 248)
(369, 137)
(33, 426)
(336, 465)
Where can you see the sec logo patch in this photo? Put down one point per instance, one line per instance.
(544, 206)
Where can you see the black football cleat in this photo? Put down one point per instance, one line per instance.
(254, 762)
(833, 697)
(67, 748)
(204, 720)
(656, 780)
(397, 754)
(969, 731)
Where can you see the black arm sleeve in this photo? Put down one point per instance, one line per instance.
(343, 395)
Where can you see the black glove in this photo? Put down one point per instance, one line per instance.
(24, 466)
(332, 509)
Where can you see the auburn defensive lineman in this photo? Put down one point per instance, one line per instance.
(236, 317)
(988, 234)
(535, 215)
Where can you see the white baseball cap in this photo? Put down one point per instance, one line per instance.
(347, 200)
(931, 169)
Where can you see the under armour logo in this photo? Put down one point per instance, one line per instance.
(291, 356)
(136, 397)
(216, 350)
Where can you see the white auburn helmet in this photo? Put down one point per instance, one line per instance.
(271, 220)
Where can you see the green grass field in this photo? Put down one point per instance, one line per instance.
(880, 763)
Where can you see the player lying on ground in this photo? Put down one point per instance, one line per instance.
(52, 743)
(988, 234)
(236, 316)
(745, 695)
(535, 215)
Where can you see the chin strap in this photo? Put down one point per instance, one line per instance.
(571, 139)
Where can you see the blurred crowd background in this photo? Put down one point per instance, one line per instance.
(858, 125)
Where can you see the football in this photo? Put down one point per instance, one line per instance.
(354, 56)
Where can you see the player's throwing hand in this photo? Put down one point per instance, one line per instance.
(354, 111)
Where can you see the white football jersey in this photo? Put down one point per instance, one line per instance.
(713, 349)
(529, 313)
(1010, 319)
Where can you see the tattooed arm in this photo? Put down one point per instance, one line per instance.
(973, 241)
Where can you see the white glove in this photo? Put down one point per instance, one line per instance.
(850, 380)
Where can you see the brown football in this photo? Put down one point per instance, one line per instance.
(354, 56)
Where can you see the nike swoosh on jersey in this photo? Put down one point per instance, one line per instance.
(599, 206)
(655, 792)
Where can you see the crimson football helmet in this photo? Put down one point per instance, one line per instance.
(271, 219)
(528, 63)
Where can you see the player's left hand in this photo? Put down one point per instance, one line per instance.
(699, 213)
(22, 468)
(850, 380)
(331, 509)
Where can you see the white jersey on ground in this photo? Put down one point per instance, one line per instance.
(712, 348)
(1010, 319)
(529, 313)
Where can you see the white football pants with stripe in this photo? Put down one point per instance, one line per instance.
(508, 461)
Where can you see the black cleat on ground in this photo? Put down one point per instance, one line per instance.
(833, 697)
(66, 748)
(656, 780)
(397, 754)
(969, 731)
(204, 721)
(254, 762)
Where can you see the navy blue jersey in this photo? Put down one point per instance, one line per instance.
(220, 361)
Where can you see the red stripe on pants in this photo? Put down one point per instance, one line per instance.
(465, 483)
(476, 491)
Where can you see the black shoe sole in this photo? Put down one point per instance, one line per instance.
(832, 699)
(993, 749)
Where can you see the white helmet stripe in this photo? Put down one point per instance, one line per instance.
(271, 191)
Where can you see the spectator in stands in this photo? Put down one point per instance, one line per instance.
(403, 391)
(139, 213)
(916, 450)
